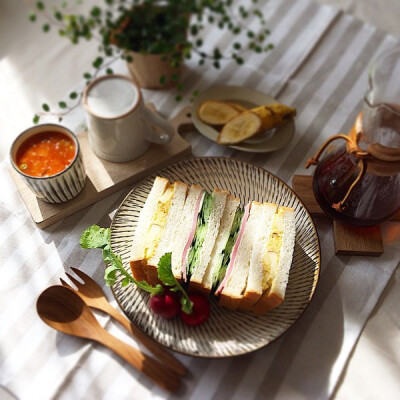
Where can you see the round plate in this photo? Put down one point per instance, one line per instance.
(225, 333)
(268, 141)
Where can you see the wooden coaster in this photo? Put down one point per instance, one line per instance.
(104, 177)
(349, 240)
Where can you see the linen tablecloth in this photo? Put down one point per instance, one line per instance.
(319, 65)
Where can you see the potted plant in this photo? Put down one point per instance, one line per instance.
(156, 36)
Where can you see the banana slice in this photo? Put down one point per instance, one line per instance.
(239, 128)
(252, 122)
(217, 113)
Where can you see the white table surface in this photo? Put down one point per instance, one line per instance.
(378, 349)
(373, 371)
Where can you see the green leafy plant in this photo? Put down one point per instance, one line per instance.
(171, 28)
(95, 237)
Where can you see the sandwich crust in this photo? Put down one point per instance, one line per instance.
(231, 302)
(198, 288)
(267, 302)
(152, 275)
(249, 299)
(139, 270)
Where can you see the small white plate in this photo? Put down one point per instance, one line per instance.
(268, 141)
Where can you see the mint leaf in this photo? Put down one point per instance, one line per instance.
(95, 237)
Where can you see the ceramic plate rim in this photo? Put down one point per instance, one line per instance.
(317, 269)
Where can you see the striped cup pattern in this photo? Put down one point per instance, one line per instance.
(58, 188)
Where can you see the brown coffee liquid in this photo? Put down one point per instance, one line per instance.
(373, 200)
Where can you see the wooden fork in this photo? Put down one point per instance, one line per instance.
(92, 294)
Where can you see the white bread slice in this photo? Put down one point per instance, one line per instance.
(138, 266)
(231, 205)
(184, 225)
(213, 225)
(275, 294)
(232, 293)
(254, 288)
(165, 245)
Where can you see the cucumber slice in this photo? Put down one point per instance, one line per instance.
(225, 256)
(200, 234)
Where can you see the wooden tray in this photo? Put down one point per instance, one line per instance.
(104, 177)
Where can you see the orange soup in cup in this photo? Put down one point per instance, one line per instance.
(45, 154)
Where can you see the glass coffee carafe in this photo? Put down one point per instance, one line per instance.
(359, 182)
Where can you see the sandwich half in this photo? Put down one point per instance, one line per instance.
(254, 287)
(156, 226)
(234, 283)
(184, 221)
(165, 238)
(137, 257)
(226, 238)
(207, 229)
(186, 229)
(277, 260)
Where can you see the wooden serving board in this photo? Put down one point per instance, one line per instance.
(349, 240)
(105, 177)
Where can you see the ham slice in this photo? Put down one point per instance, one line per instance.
(191, 235)
(235, 249)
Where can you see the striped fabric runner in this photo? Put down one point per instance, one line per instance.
(318, 66)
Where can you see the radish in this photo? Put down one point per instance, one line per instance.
(166, 305)
(200, 311)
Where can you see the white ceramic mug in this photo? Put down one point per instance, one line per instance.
(121, 128)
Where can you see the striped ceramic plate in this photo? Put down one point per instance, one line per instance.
(226, 333)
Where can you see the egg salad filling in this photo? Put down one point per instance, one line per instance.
(272, 252)
(158, 222)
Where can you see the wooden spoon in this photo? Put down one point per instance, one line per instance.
(92, 294)
(62, 309)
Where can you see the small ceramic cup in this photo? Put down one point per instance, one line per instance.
(121, 127)
(62, 186)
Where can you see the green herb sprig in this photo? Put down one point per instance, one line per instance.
(95, 237)
(166, 276)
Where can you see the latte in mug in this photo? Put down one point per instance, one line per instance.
(112, 98)
(121, 128)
